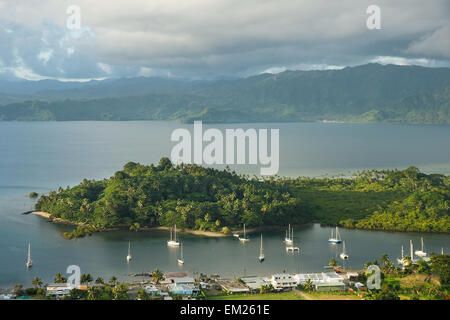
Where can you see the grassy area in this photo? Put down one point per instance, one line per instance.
(266, 296)
(332, 296)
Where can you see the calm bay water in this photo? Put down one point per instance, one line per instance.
(41, 156)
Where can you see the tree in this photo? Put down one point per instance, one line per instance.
(308, 286)
(120, 292)
(99, 280)
(37, 283)
(18, 289)
(59, 278)
(333, 262)
(440, 265)
(113, 280)
(86, 278)
(157, 275)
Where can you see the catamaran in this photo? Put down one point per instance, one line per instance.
(173, 242)
(289, 239)
(261, 251)
(129, 252)
(181, 259)
(421, 253)
(29, 263)
(343, 255)
(244, 239)
(336, 238)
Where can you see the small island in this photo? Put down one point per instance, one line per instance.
(204, 199)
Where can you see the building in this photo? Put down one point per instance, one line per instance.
(152, 290)
(183, 289)
(232, 286)
(325, 281)
(59, 289)
(255, 283)
(283, 281)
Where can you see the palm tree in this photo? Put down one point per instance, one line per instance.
(37, 283)
(18, 289)
(99, 280)
(86, 278)
(157, 275)
(333, 262)
(384, 259)
(113, 280)
(59, 278)
(308, 285)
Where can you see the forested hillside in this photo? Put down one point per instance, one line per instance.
(195, 197)
(368, 93)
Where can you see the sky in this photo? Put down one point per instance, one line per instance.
(210, 39)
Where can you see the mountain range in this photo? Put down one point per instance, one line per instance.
(367, 93)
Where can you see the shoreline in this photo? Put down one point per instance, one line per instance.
(48, 216)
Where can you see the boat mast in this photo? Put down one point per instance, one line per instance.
(244, 232)
(411, 248)
(181, 251)
(129, 251)
(402, 253)
(29, 253)
(261, 248)
(292, 235)
(338, 236)
(422, 243)
(175, 239)
(289, 226)
(343, 249)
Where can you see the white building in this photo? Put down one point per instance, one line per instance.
(283, 281)
(59, 289)
(325, 281)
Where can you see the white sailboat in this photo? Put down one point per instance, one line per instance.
(29, 263)
(402, 259)
(421, 253)
(173, 242)
(129, 252)
(289, 239)
(343, 255)
(336, 238)
(181, 259)
(244, 239)
(261, 251)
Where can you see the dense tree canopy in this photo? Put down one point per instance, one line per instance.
(200, 198)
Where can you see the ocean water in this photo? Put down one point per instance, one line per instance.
(41, 156)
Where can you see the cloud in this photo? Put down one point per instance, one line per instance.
(436, 44)
(203, 38)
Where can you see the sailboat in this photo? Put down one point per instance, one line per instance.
(261, 251)
(336, 238)
(29, 263)
(343, 255)
(402, 259)
(421, 253)
(181, 259)
(244, 239)
(173, 242)
(289, 239)
(129, 252)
